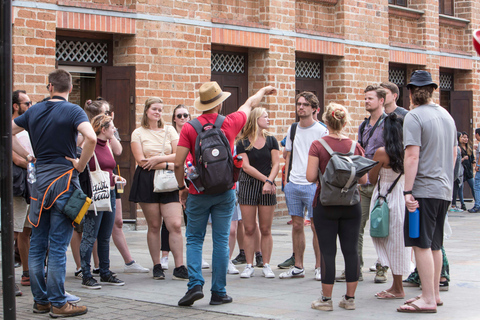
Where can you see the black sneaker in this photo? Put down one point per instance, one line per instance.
(240, 259)
(259, 260)
(90, 283)
(111, 280)
(180, 273)
(96, 272)
(192, 295)
(158, 273)
(218, 299)
(79, 274)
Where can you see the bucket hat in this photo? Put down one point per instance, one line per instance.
(421, 78)
(211, 95)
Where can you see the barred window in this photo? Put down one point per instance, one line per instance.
(397, 76)
(226, 62)
(446, 81)
(81, 51)
(308, 69)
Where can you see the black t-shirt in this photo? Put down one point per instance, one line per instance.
(260, 159)
(52, 126)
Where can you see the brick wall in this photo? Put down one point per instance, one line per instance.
(314, 16)
(240, 10)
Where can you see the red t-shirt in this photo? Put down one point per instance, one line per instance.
(232, 125)
(317, 150)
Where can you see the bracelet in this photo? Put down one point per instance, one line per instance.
(166, 163)
(407, 192)
(181, 188)
(269, 182)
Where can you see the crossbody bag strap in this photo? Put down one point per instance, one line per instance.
(370, 134)
(389, 189)
(164, 142)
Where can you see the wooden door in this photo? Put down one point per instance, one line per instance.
(117, 86)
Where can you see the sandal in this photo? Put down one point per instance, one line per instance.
(410, 301)
(387, 295)
(416, 309)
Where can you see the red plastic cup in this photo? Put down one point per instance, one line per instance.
(476, 40)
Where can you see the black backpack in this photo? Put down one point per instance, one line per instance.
(213, 157)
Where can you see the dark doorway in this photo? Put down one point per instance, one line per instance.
(309, 77)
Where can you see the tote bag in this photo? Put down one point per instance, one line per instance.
(100, 189)
(164, 180)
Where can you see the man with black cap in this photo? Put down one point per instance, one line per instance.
(219, 205)
(430, 150)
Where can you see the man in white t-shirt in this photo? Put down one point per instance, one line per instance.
(22, 228)
(299, 193)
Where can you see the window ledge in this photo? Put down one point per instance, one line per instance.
(405, 12)
(453, 21)
(326, 1)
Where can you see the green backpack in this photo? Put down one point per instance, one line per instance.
(380, 215)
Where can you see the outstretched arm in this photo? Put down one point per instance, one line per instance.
(254, 100)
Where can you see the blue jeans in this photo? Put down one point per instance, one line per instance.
(477, 190)
(53, 233)
(97, 227)
(199, 208)
(460, 191)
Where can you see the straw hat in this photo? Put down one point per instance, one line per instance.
(211, 95)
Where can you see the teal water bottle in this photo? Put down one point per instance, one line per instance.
(414, 224)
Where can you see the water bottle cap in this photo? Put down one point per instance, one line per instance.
(189, 164)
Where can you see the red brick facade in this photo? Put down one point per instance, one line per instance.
(170, 44)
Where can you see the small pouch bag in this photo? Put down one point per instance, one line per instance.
(380, 214)
(77, 206)
(164, 180)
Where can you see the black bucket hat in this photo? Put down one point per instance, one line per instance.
(421, 78)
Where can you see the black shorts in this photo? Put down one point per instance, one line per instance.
(142, 189)
(432, 220)
(250, 192)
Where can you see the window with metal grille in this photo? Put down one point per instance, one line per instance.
(82, 52)
(446, 81)
(397, 76)
(226, 62)
(402, 3)
(308, 69)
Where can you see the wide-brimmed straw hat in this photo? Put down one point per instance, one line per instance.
(211, 95)
(421, 78)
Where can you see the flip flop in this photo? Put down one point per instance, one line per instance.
(416, 309)
(409, 301)
(387, 295)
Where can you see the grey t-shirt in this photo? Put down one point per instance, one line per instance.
(400, 112)
(432, 129)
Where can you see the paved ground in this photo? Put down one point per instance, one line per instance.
(145, 298)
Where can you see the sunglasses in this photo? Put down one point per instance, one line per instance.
(185, 115)
(27, 103)
(108, 113)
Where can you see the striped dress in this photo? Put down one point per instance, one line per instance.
(391, 250)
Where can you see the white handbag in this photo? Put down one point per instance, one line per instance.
(100, 189)
(164, 180)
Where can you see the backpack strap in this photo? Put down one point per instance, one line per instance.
(326, 146)
(219, 121)
(293, 130)
(352, 148)
(195, 123)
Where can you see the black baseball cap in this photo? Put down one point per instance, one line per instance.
(421, 78)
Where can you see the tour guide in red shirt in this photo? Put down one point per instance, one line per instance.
(200, 206)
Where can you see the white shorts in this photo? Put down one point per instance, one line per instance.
(20, 212)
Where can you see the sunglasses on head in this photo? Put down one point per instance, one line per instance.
(185, 115)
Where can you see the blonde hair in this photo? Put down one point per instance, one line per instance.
(148, 104)
(336, 117)
(250, 130)
(99, 122)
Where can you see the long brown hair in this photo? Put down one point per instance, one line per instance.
(250, 130)
(101, 121)
(148, 104)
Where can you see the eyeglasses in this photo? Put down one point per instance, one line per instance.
(108, 113)
(303, 104)
(27, 103)
(185, 115)
(48, 86)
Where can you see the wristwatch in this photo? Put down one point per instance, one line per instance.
(407, 192)
(181, 188)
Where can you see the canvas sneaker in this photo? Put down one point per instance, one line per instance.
(164, 263)
(293, 272)
(111, 280)
(180, 273)
(67, 310)
(318, 274)
(232, 269)
(72, 298)
(91, 283)
(248, 272)
(267, 271)
(348, 304)
(240, 258)
(205, 264)
(135, 268)
(259, 260)
(323, 305)
(79, 274)
(158, 273)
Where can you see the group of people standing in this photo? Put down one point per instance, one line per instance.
(402, 154)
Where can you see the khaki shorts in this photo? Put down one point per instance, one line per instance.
(20, 212)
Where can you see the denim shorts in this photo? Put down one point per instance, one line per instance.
(299, 197)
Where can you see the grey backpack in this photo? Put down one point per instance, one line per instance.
(339, 181)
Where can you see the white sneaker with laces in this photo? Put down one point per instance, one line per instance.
(267, 271)
(164, 263)
(231, 268)
(248, 272)
(135, 268)
(293, 272)
(205, 264)
(318, 274)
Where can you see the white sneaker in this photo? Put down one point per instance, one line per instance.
(164, 263)
(135, 268)
(267, 271)
(231, 268)
(322, 305)
(293, 272)
(205, 264)
(318, 274)
(347, 304)
(248, 272)
(373, 268)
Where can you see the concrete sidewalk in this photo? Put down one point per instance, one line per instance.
(145, 298)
